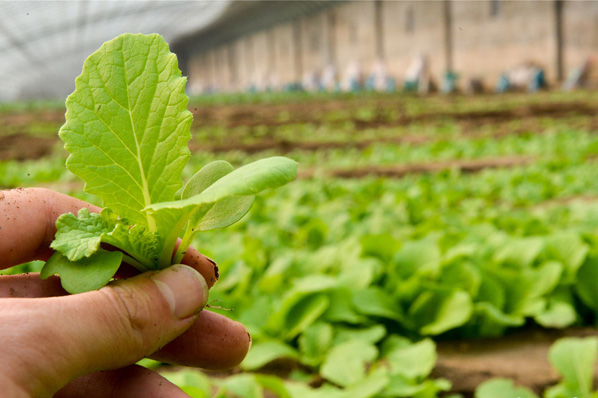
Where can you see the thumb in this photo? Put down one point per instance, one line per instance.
(54, 340)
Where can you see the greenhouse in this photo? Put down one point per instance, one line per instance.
(299, 199)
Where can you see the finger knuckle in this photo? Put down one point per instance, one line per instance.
(134, 315)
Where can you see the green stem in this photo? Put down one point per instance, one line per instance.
(185, 243)
(170, 241)
(131, 261)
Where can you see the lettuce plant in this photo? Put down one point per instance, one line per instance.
(127, 129)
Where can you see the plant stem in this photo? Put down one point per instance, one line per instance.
(131, 261)
(185, 243)
(170, 241)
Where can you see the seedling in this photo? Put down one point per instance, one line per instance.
(127, 129)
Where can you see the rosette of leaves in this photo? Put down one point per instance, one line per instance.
(127, 130)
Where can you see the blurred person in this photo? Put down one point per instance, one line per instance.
(417, 76)
(379, 80)
(578, 77)
(329, 78)
(527, 76)
(310, 82)
(352, 78)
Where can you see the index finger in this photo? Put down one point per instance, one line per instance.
(28, 225)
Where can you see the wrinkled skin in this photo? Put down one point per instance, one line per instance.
(85, 345)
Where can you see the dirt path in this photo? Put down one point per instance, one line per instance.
(264, 115)
(284, 146)
(465, 166)
(522, 357)
(20, 145)
(24, 146)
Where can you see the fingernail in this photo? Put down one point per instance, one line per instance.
(216, 272)
(185, 290)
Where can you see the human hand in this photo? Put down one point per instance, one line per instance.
(85, 345)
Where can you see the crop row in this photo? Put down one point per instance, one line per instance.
(348, 281)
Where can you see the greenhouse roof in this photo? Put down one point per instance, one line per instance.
(43, 43)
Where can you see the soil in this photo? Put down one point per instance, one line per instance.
(20, 145)
(24, 146)
(465, 166)
(268, 115)
(285, 146)
(522, 357)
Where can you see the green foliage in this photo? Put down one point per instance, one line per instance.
(575, 360)
(380, 265)
(127, 126)
(89, 273)
(502, 388)
(127, 129)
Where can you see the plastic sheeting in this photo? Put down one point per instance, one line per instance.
(43, 43)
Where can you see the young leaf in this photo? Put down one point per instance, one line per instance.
(79, 237)
(206, 176)
(127, 126)
(89, 273)
(222, 213)
(247, 180)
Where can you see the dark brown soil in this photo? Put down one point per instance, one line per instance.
(530, 126)
(268, 115)
(465, 166)
(24, 119)
(522, 357)
(19, 145)
(284, 146)
(23, 146)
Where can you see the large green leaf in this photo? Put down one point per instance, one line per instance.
(413, 361)
(585, 286)
(127, 125)
(569, 249)
(89, 273)
(418, 257)
(502, 388)
(575, 360)
(242, 385)
(520, 253)
(191, 381)
(440, 310)
(375, 302)
(560, 310)
(314, 343)
(265, 352)
(346, 363)
(525, 289)
(341, 308)
(371, 334)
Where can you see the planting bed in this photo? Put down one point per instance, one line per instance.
(430, 244)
